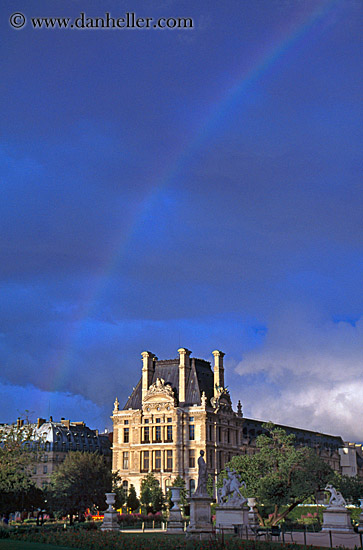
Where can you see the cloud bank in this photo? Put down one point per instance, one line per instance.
(312, 371)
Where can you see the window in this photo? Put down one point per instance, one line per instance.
(126, 421)
(145, 461)
(45, 458)
(191, 486)
(44, 485)
(146, 435)
(158, 433)
(191, 458)
(169, 433)
(158, 420)
(228, 436)
(125, 460)
(125, 486)
(210, 432)
(45, 469)
(191, 418)
(34, 470)
(157, 460)
(220, 460)
(211, 458)
(146, 421)
(169, 460)
(169, 419)
(191, 432)
(126, 435)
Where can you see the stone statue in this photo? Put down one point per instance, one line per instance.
(229, 494)
(202, 476)
(336, 498)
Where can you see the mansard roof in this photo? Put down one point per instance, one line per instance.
(252, 428)
(200, 379)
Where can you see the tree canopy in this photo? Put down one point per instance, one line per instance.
(80, 482)
(151, 495)
(17, 454)
(280, 473)
(350, 487)
(119, 491)
(132, 501)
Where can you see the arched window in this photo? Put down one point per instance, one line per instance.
(167, 485)
(191, 486)
(125, 486)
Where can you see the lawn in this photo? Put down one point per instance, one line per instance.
(96, 540)
(6, 544)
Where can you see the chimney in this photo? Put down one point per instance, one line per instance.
(218, 370)
(66, 423)
(40, 422)
(148, 368)
(184, 368)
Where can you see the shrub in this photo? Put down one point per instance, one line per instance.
(4, 533)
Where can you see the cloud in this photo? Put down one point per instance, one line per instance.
(312, 374)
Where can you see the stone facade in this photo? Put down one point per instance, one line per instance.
(180, 407)
(53, 440)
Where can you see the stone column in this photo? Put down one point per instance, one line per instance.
(148, 368)
(184, 368)
(218, 370)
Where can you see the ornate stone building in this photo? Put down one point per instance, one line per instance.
(51, 442)
(180, 407)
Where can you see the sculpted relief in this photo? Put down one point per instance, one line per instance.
(160, 396)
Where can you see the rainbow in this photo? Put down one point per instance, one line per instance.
(61, 364)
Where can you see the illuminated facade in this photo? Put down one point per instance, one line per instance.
(180, 407)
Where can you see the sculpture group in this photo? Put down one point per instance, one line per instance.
(336, 497)
(229, 493)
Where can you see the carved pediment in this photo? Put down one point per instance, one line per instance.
(160, 392)
(222, 399)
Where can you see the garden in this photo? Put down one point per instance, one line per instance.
(83, 539)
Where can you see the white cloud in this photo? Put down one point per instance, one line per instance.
(312, 375)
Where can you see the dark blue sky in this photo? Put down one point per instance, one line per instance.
(197, 188)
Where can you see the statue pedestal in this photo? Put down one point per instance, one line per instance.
(175, 522)
(360, 526)
(110, 522)
(229, 516)
(200, 526)
(337, 518)
(253, 522)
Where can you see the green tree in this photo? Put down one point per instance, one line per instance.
(280, 474)
(80, 482)
(350, 487)
(118, 490)
(132, 500)
(151, 495)
(17, 454)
